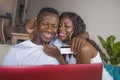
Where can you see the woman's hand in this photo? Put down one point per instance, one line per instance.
(52, 50)
(29, 26)
(76, 43)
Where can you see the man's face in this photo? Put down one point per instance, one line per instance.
(47, 26)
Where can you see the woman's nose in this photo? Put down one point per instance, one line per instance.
(62, 27)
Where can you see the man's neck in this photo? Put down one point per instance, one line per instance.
(37, 41)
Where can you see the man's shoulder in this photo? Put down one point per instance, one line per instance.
(23, 44)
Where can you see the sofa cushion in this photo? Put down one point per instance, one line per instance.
(3, 50)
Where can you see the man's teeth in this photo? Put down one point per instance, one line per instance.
(48, 33)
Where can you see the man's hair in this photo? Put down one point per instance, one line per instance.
(78, 23)
(47, 9)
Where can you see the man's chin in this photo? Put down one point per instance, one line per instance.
(46, 41)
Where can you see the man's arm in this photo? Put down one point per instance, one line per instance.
(10, 58)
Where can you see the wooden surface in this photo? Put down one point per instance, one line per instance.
(2, 36)
(16, 33)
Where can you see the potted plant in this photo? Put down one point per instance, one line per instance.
(111, 56)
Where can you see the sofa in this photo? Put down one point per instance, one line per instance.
(3, 50)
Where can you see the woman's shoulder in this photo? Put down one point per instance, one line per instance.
(87, 47)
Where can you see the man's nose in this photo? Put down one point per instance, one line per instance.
(49, 28)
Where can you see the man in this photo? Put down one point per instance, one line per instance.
(31, 52)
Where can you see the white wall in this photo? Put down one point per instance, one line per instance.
(7, 6)
(102, 17)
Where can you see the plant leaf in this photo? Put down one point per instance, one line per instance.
(110, 40)
(116, 49)
(103, 42)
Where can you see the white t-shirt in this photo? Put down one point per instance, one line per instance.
(28, 53)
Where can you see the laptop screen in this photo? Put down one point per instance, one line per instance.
(52, 72)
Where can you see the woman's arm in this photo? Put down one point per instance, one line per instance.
(84, 55)
(29, 26)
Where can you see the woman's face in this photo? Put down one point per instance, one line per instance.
(66, 28)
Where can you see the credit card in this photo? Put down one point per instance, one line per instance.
(66, 49)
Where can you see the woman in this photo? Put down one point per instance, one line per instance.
(86, 51)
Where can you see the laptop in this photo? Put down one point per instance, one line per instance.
(52, 72)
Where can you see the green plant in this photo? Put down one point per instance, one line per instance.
(112, 54)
